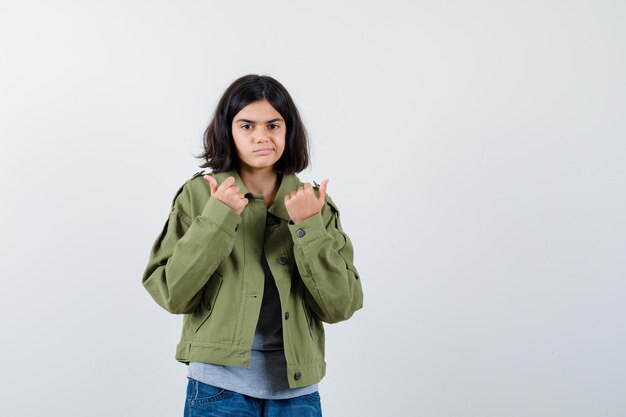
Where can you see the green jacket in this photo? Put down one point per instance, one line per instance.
(206, 264)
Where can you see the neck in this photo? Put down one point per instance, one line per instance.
(262, 181)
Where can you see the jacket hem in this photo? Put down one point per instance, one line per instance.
(219, 354)
(307, 374)
(298, 375)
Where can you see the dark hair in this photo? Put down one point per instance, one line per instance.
(219, 147)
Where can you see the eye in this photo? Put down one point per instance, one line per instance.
(246, 127)
(274, 127)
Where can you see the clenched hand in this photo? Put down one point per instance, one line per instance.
(302, 203)
(228, 193)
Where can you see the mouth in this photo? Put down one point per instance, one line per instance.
(263, 151)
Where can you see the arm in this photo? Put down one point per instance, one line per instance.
(187, 252)
(324, 257)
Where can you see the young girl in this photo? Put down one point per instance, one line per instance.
(256, 261)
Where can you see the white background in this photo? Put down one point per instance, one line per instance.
(476, 149)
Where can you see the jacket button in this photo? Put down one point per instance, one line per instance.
(300, 233)
(286, 315)
(271, 220)
(282, 260)
(297, 376)
(208, 306)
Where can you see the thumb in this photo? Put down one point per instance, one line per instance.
(321, 195)
(212, 183)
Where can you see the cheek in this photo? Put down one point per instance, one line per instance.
(281, 143)
(238, 143)
(281, 148)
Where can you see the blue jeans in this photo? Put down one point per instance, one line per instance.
(205, 400)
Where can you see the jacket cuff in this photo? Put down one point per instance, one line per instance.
(307, 230)
(222, 215)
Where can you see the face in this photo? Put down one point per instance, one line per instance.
(259, 132)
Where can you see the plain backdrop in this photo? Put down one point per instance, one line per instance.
(476, 149)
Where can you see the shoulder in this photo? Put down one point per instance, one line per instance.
(187, 192)
(198, 176)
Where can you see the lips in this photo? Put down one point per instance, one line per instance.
(264, 151)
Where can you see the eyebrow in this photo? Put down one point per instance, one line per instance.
(277, 119)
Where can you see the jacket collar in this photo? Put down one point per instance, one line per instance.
(288, 184)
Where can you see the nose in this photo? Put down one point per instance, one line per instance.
(261, 136)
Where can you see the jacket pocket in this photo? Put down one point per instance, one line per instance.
(207, 305)
(309, 319)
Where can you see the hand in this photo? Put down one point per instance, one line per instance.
(228, 193)
(302, 203)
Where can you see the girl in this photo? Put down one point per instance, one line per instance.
(255, 260)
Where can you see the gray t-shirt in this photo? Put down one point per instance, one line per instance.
(267, 375)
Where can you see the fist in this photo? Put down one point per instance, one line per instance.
(302, 203)
(228, 193)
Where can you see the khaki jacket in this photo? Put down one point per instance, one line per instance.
(206, 264)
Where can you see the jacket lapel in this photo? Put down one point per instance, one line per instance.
(221, 177)
(288, 184)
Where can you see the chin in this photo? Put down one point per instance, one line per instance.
(260, 166)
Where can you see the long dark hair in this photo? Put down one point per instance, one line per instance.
(219, 147)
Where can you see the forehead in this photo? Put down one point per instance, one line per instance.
(258, 110)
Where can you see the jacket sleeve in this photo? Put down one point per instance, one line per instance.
(188, 251)
(324, 257)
